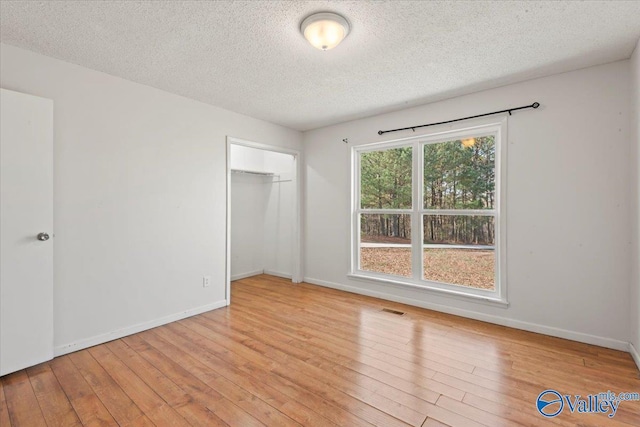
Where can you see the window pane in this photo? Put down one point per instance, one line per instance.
(385, 244)
(460, 250)
(460, 174)
(385, 179)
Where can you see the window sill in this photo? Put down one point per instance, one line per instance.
(494, 301)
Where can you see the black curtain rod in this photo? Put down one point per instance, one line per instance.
(509, 110)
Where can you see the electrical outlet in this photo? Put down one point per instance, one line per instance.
(206, 281)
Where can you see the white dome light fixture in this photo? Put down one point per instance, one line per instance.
(324, 30)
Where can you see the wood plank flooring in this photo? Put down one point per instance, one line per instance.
(302, 355)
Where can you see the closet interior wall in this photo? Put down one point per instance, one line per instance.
(262, 212)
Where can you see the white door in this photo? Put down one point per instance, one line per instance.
(26, 230)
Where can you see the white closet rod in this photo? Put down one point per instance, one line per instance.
(265, 174)
(252, 172)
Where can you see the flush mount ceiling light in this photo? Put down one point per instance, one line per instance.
(324, 30)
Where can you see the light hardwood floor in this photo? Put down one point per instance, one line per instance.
(285, 354)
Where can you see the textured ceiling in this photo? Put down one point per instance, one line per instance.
(249, 56)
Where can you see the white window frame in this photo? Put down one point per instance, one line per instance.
(498, 128)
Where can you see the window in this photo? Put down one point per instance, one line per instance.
(426, 212)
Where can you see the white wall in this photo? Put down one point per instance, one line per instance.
(568, 208)
(247, 158)
(248, 194)
(279, 215)
(139, 187)
(635, 198)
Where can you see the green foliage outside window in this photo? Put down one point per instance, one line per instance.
(386, 179)
(458, 177)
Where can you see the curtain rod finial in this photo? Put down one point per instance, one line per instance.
(535, 104)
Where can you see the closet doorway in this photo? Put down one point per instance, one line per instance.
(263, 211)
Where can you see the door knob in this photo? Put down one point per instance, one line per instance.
(43, 237)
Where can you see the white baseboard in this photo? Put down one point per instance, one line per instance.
(245, 275)
(278, 274)
(498, 320)
(123, 332)
(634, 353)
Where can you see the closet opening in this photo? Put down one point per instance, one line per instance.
(263, 212)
